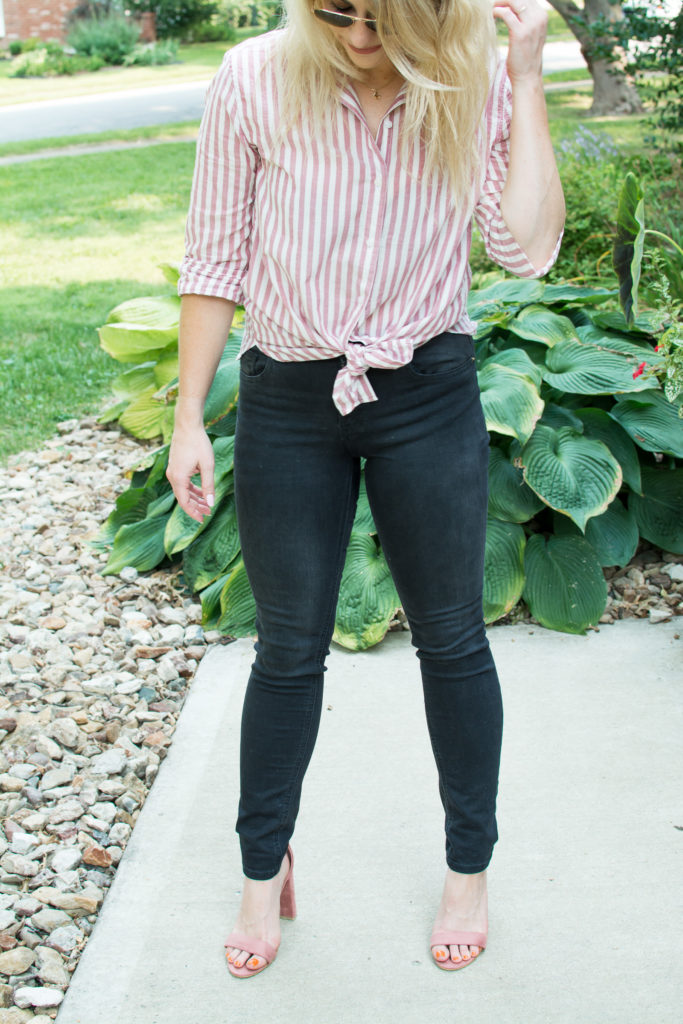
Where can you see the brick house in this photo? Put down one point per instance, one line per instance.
(21, 19)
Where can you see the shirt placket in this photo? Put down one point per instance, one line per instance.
(375, 204)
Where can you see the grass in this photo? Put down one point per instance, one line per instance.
(568, 108)
(570, 75)
(74, 224)
(182, 130)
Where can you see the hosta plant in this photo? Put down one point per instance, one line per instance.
(585, 460)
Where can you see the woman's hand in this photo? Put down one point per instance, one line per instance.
(527, 24)
(191, 453)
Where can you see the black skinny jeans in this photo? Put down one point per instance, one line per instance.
(297, 468)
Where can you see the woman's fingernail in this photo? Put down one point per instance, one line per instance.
(209, 500)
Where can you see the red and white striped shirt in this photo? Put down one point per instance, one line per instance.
(332, 242)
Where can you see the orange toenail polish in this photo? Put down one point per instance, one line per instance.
(441, 955)
(253, 962)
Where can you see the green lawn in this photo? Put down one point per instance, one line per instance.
(85, 233)
(182, 130)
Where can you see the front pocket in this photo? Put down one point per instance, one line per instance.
(447, 353)
(253, 363)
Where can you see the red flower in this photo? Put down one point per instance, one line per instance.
(637, 372)
(657, 348)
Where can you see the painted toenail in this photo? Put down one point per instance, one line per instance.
(440, 955)
(253, 962)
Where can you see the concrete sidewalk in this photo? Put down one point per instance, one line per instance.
(586, 921)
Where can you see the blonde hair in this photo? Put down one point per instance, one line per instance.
(445, 49)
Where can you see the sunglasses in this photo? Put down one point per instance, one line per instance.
(342, 20)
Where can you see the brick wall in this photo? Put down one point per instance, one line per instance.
(43, 18)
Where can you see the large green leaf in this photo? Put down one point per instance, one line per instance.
(587, 370)
(131, 507)
(238, 607)
(159, 312)
(536, 323)
(647, 322)
(637, 346)
(659, 512)
(138, 544)
(182, 529)
(627, 254)
(613, 535)
(367, 596)
(510, 498)
(144, 416)
(215, 547)
(503, 568)
(510, 401)
(166, 368)
(222, 396)
(211, 601)
(518, 359)
(652, 422)
(363, 521)
(565, 587)
(132, 344)
(600, 426)
(573, 474)
(131, 383)
(557, 416)
(572, 294)
(483, 301)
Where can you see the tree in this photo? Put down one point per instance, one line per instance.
(594, 27)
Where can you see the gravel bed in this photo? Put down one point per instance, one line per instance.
(94, 671)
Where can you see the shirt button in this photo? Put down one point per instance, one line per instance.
(389, 124)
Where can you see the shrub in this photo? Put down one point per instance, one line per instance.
(111, 38)
(216, 31)
(49, 60)
(176, 18)
(592, 171)
(18, 46)
(585, 458)
(154, 54)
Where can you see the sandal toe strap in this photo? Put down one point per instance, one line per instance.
(259, 947)
(451, 938)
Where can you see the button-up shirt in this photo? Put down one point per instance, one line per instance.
(331, 238)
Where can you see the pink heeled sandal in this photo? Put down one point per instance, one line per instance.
(259, 947)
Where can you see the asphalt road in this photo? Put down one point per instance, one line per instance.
(136, 108)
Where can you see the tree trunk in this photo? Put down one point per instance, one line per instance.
(613, 92)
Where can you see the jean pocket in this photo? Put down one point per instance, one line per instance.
(253, 363)
(441, 356)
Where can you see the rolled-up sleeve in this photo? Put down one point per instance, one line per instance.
(218, 229)
(498, 241)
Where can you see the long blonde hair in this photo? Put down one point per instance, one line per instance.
(445, 49)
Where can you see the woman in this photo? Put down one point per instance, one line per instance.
(340, 162)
